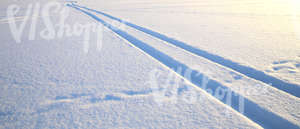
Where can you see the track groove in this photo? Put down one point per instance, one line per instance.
(253, 111)
(290, 88)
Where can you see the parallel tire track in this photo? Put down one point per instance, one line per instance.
(290, 88)
(253, 111)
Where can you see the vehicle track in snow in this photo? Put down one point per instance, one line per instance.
(253, 111)
(290, 88)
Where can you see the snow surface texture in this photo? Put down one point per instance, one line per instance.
(56, 84)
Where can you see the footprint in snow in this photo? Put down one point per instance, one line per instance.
(288, 66)
(106, 98)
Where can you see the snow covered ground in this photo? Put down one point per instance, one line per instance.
(267, 31)
(150, 64)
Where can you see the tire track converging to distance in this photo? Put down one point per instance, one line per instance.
(252, 110)
(290, 88)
